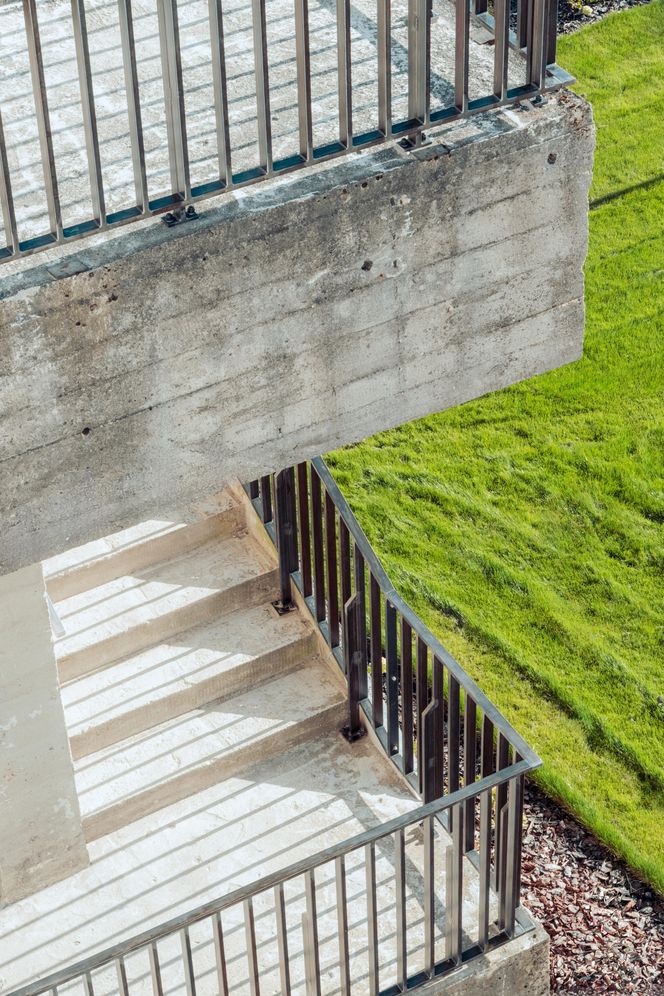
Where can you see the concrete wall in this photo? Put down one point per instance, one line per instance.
(520, 968)
(293, 317)
(41, 839)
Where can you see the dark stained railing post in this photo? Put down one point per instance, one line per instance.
(354, 663)
(431, 741)
(286, 535)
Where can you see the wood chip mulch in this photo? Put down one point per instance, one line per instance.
(606, 926)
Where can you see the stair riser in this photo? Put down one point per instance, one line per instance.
(248, 593)
(241, 678)
(227, 766)
(145, 553)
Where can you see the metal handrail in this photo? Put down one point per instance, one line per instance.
(418, 626)
(241, 895)
(536, 41)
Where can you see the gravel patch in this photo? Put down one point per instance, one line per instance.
(606, 926)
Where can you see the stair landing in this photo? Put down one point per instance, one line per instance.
(205, 735)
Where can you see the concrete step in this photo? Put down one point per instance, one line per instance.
(141, 546)
(135, 611)
(176, 759)
(238, 651)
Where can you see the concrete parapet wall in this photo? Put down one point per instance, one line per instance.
(41, 840)
(519, 968)
(291, 318)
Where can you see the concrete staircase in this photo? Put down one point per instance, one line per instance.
(176, 670)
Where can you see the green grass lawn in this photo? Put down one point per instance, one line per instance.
(527, 528)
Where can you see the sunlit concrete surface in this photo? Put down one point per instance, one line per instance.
(218, 840)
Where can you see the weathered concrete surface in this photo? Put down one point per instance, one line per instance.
(520, 968)
(41, 840)
(300, 315)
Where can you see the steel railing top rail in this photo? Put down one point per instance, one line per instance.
(238, 896)
(418, 626)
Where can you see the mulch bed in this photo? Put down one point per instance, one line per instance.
(571, 18)
(606, 926)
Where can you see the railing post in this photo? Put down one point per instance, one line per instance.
(354, 651)
(418, 62)
(430, 773)
(286, 536)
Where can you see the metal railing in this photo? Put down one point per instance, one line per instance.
(230, 931)
(431, 718)
(225, 169)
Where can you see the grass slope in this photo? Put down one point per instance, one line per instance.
(527, 528)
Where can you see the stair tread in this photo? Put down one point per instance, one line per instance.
(201, 737)
(150, 594)
(163, 670)
(142, 532)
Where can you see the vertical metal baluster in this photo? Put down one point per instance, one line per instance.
(513, 829)
(282, 938)
(453, 707)
(360, 590)
(305, 528)
(342, 923)
(392, 675)
(89, 112)
(220, 91)
(438, 735)
(332, 573)
(551, 33)
(519, 840)
(353, 655)
(266, 497)
(501, 47)
(461, 53)
(469, 765)
(429, 923)
(418, 60)
(176, 128)
(252, 958)
(43, 119)
(502, 761)
(501, 864)
(422, 696)
(407, 695)
(523, 16)
(431, 751)
(136, 140)
(155, 971)
(376, 652)
(6, 199)
(487, 760)
(537, 48)
(372, 917)
(344, 74)
(344, 561)
(485, 869)
(220, 954)
(284, 485)
(312, 956)
(384, 31)
(262, 85)
(454, 889)
(319, 558)
(189, 978)
(303, 60)
(87, 984)
(121, 973)
(400, 874)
